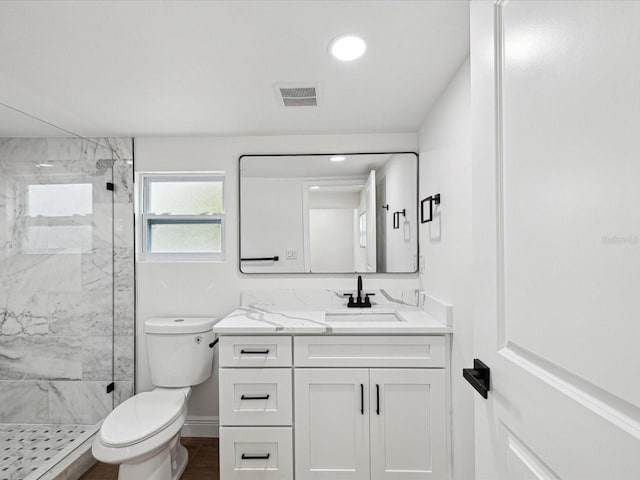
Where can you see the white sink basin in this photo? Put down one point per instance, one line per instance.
(368, 317)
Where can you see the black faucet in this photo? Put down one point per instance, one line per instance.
(359, 301)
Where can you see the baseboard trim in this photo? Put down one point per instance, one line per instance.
(207, 427)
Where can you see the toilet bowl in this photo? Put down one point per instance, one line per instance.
(143, 433)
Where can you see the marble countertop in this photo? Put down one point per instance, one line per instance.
(255, 320)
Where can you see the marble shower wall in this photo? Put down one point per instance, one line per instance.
(66, 278)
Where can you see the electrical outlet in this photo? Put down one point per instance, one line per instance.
(292, 254)
(422, 264)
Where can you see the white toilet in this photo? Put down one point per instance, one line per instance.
(143, 433)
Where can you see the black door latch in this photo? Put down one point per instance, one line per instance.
(479, 377)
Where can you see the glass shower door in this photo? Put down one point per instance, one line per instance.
(56, 296)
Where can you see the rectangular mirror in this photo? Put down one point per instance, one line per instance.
(318, 213)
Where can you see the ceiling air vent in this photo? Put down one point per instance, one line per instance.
(299, 96)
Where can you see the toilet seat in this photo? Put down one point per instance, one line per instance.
(141, 417)
(142, 450)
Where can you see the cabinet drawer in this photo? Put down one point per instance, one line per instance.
(255, 396)
(238, 351)
(359, 351)
(256, 453)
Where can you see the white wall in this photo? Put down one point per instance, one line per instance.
(272, 223)
(400, 244)
(332, 230)
(334, 199)
(200, 288)
(445, 243)
(331, 239)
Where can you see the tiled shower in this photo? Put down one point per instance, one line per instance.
(66, 293)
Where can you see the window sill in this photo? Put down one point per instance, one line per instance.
(181, 257)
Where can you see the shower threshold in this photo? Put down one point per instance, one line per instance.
(27, 452)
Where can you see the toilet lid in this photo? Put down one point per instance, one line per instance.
(141, 416)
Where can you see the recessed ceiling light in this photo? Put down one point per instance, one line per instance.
(314, 187)
(347, 47)
(44, 165)
(338, 158)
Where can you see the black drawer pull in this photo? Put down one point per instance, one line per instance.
(254, 352)
(377, 399)
(256, 457)
(361, 399)
(254, 397)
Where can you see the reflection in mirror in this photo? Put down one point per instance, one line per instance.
(71, 204)
(329, 213)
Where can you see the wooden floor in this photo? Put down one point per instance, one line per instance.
(203, 462)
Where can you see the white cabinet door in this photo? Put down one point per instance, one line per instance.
(556, 194)
(408, 424)
(332, 424)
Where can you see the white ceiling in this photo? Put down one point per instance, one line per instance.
(209, 68)
(313, 166)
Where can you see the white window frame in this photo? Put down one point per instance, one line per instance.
(148, 218)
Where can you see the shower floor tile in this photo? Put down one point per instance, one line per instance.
(25, 448)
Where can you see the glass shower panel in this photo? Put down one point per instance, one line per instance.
(56, 282)
(67, 327)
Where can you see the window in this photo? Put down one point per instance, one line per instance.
(183, 217)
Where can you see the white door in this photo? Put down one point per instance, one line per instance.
(332, 424)
(370, 205)
(408, 424)
(555, 90)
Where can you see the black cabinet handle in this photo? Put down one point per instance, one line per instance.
(361, 399)
(261, 259)
(254, 352)
(479, 377)
(254, 397)
(255, 457)
(377, 399)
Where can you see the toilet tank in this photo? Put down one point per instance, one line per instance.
(178, 350)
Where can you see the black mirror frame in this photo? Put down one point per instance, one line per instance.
(328, 154)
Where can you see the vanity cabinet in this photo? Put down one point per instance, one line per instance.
(350, 407)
